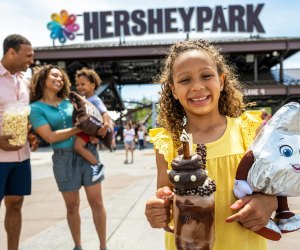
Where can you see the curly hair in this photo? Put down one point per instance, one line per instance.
(89, 74)
(38, 81)
(171, 114)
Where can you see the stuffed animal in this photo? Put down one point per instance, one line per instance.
(88, 118)
(272, 166)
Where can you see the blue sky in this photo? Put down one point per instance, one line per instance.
(30, 18)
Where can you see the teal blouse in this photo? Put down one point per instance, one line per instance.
(59, 117)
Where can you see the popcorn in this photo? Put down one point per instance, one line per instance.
(15, 123)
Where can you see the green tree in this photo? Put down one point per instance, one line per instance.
(143, 112)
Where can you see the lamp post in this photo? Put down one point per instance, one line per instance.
(154, 114)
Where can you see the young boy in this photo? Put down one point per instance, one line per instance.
(87, 81)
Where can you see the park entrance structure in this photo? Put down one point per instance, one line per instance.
(120, 64)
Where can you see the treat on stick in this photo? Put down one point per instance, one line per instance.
(193, 198)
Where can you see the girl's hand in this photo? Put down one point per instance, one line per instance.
(157, 208)
(254, 211)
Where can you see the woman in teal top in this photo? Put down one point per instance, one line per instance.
(43, 113)
(51, 118)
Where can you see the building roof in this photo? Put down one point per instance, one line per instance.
(138, 62)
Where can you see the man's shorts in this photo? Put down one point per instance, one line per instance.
(71, 171)
(15, 178)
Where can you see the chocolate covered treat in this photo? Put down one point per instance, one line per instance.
(88, 118)
(193, 199)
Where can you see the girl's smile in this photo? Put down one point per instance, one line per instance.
(197, 84)
(199, 101)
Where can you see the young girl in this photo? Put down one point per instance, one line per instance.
(129, 136)
(87, 81)
(201, 94)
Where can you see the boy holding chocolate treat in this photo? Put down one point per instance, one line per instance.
(87, 81)
(200, 93)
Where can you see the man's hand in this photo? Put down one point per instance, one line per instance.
(4, 144)
(32, 138)
(33, 141)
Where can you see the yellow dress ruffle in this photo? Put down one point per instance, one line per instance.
(249, 122)
(223, 157)
(163, 142)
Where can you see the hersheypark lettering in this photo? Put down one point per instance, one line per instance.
(234, 18)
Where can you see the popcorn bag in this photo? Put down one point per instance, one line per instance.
(15, 122)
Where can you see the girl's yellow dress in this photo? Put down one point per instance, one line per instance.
(223, 157)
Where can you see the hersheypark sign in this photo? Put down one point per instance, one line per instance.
(123, 23)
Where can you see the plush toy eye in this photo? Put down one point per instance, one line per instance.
(286, 150)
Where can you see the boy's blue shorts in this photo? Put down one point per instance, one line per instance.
(15, 178)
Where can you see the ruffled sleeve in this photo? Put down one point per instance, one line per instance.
(163, 142)
(250, 121)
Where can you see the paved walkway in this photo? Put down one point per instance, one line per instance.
(125, 191)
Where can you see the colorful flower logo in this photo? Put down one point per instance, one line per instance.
(63, 26)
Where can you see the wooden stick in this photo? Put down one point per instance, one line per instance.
(187, 144)
(186, 150)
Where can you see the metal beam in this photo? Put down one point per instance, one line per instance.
(156, 49)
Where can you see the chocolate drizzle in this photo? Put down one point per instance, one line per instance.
(205, 190)
(201, 150)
